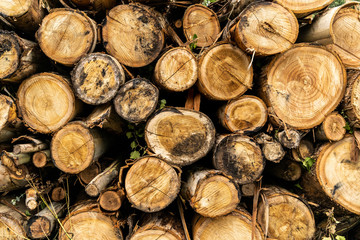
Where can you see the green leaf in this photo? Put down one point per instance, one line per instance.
(298, 186)
(131, 127)
(308, 162)
(162, 103)
(13, 202)
(27, 213)
(133, 145)
(42, 205)
(336, 3)
(340, 237)
(129, 135)
(208, 2)
(193, 44)
(134, 154)
(348, 128)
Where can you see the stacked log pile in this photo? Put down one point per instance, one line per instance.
(179, 119)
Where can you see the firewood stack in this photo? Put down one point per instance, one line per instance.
(179, 119)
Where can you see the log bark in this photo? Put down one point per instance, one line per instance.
(247, 190)
(201, 25)
(350, 104)
(94, 5)
(111, 200)
(211, 193)
(25, 15)
(144, 38)
(75, 147)
(151, 184)
(20, 58)
(336, 175)
(105, 117)
(303, 8)
(304, 150)
(158, 226)
(136, 100)
(332, 128)
(235, 225)
(89, 173)
(225, 72)
(271, 148)
(246, 114)
(86, 222)
(285, 215)
(289, 138)
(96, 78)
(46, 102)
(75, 35)
(11, 176)
(44, 223)
(336, 28)
(297, 78)
(180, 136)
(99, 183)
(11, 224)
(240, 157)
(266, 28)
(176, 70)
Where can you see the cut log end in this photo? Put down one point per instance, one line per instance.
(180, 136)
(299, 77)
(58, 194)
(231, 78)
(144, 38)
(176, 70)
(158, 186)
(75, 36)
(40, 159)
(246, 114)
(304, 7)
(89, 173)
(46, 102)
(201, 24)
(266, 28)
(289, 138)
(96, 78)
(73, 148)
(10, 228)
(136, 100)
(240, 157)
(9, 54)
(38, 227)
(111, 200)
(333, 128)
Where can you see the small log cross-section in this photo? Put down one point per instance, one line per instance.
(240, 157)
(304, 7)
(25, 15)
(65, 35)
(133, 35)
(332, 128)
(225, 72)
(271, 148)
(180, 136)
(111, 200)
(211, 193)
(234, 226)
(75, 147)
(84, 223)
(245, 114)
(266, 28)
(136, 100)
(164, 226)
(46, 102)
(19, 58)
(176, 70)
(200, 25)
(151, 184)
(43, 223)
(304, 150)
(298, 78)
(288, 216)
(96, 78)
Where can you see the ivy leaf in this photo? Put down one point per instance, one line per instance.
(308, 162)
(27, 213)
(134, 154)
(133, 145)
(340, 237)
(162, 103)
(129, 135)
